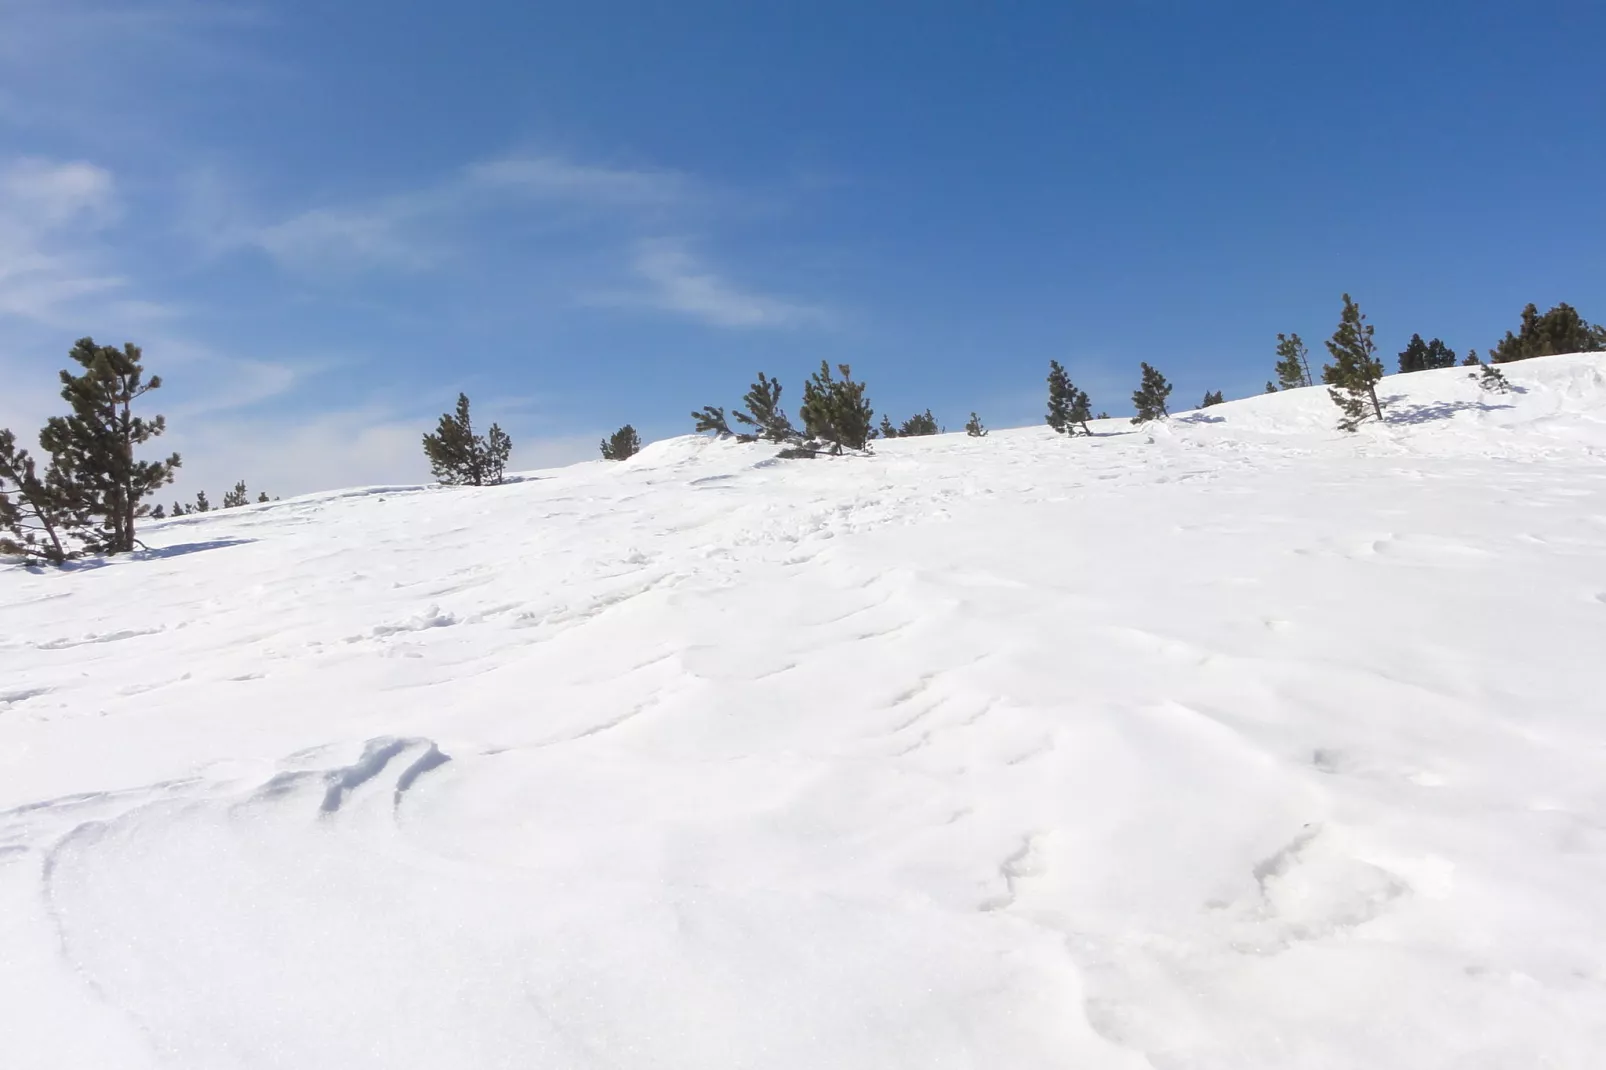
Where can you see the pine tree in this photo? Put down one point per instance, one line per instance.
(159, 513)
(1149, 397)
(1439, 355)
(1068, 407)
(201, 504)
(887, 430)
(974, 428)
(764, 412)
(1472, 359)
(1293, 364)
(458, 457)
(1082, 411)
(1561, 330)
(1421, 356)
(1101, 416)
(498, 447)
(919, 425)
(1353, 375)
(93, 474)
(621, 445)
(236, 497)
(180, 509)
(835, 410)
(711, 419)
(1060, 397)
(1212, 399)
(1271, 387)
(32, 520)
(1491, 378)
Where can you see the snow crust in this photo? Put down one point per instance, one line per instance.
(1230, 743)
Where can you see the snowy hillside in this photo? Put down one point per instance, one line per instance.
(1229, 744)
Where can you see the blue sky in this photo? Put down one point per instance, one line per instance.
(322, 220)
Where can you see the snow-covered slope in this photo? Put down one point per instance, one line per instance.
(1233, 743)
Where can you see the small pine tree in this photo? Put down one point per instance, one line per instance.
(1101, 416)
(1212, 399)
(263, 497)
(498, 447)
(1472, 359)
(887, 430)
(1068, 407)
(1082, 411)
(1271, 387)
(764, 412)
(201, 504)
(919, 425)
(1491, 378)
(974, 428)
(1293, 364)
(237, 497)
(835, 411)
(1149, 397)
(94, 477)
(159, 513)
(621, 445)
(32, 518)
(180, 509)
(1353, 375)
(1060, 397)
(458, 457)
(711, 419)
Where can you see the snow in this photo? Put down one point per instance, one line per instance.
(1230, 743)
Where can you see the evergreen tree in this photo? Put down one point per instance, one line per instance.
(159, 513)
(498, 447)
(1293, 364)
(1068, 407)
(711, 419)
(1413, 358)
(236, 497)
(1060, 397)
(32, 519)
(1491, 378)
(1421, 356)
(887, 430)
(1101, 416)
(1472, 359)
(93, 474)
(919, 425)
(1082, 411)
(764, 412)
(457, 456)
(1212, 399)
(1353, 375)
(974, 428)
(263, 497)
(621, 445)
(835, 410)
(1561, 330)
(201, 504)
(1271, 387)
(1149, 397)
(180, 509)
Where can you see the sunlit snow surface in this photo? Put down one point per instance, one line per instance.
(1234, 743)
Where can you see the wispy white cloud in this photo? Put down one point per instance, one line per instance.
(51, 216)
(678, 282)
(419, 229)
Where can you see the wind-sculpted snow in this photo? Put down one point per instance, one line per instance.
(1226, 744)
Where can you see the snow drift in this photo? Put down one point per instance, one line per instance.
(1229, 743)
